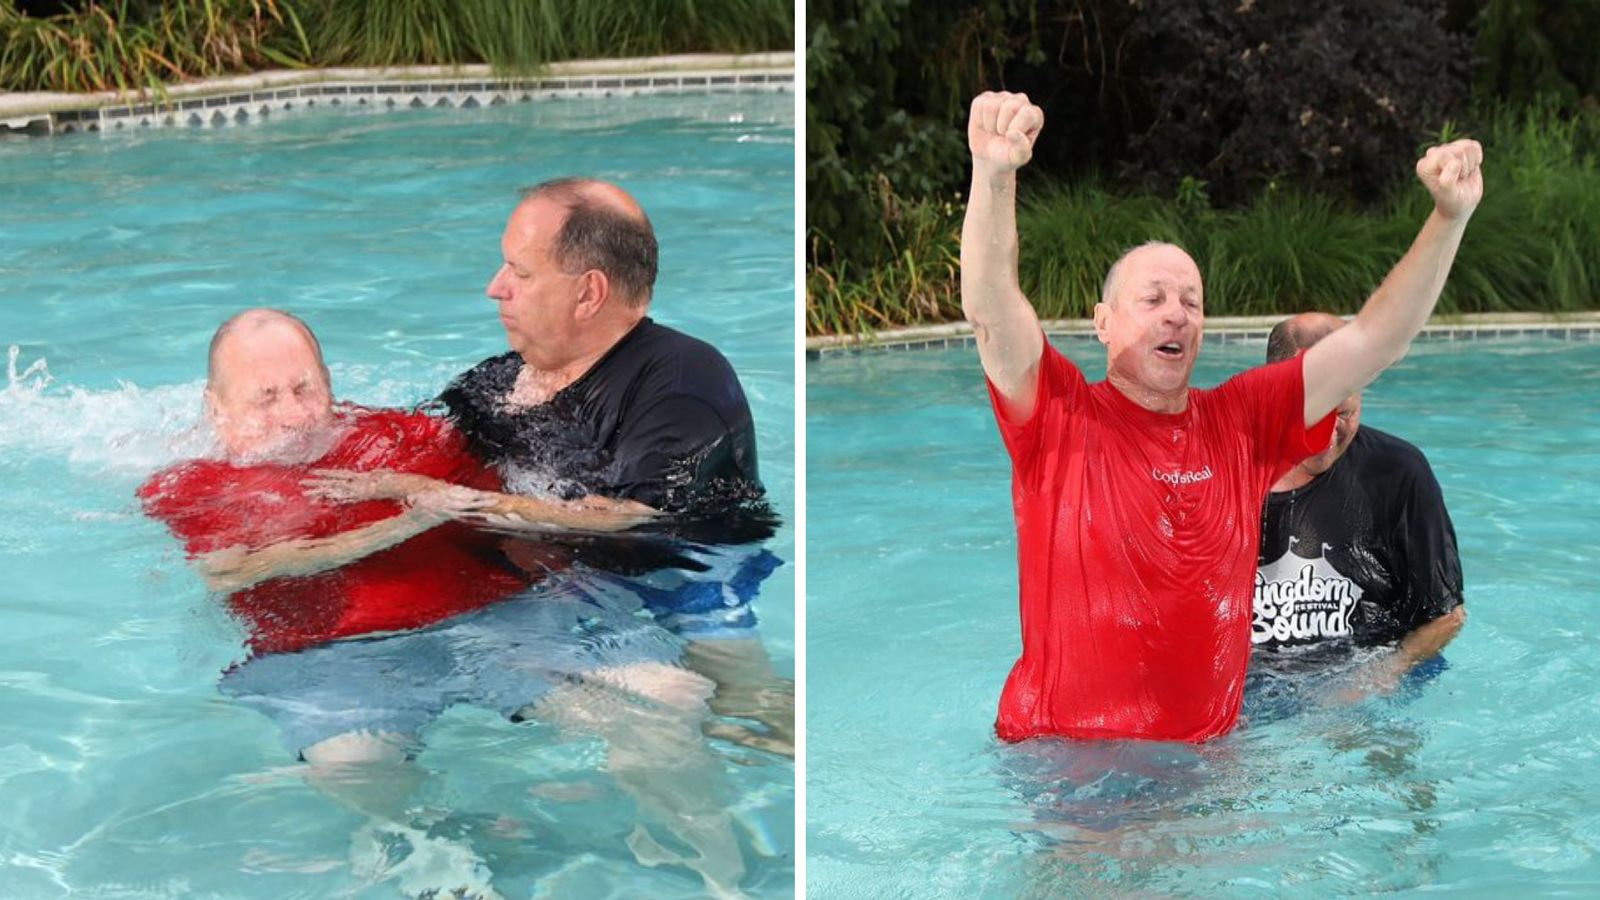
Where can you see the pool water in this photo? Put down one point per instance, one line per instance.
(125, 771)
(1480, 781)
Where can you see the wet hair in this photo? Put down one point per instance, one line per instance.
(258, 316)
(1294, 334)
(599, 233)
(1115, 272)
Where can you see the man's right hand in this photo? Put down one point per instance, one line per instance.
(1001, 130)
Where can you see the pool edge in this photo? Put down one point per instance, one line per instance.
(1220, 330)
(242, 98)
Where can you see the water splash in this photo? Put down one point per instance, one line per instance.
(134, 429)
(39, 370)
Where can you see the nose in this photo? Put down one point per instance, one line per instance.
(496, 289)
(1173, 311)
(299, 411)
(296, 414)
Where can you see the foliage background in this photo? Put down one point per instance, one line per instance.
(1274, 140)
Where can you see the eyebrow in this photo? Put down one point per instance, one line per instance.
(1163, 283)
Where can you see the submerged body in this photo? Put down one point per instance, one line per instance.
(450, 569)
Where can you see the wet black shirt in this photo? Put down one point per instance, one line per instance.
(660, 419)
(1361, 556)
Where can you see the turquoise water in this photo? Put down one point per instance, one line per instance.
(125, 772)
(1480, 783)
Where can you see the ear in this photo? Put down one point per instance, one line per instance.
(594, 289)
(1101, 314)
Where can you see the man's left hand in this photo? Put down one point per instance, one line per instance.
(1453, 174)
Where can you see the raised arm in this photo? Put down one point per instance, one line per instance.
(1349, 359)
(1001, 130)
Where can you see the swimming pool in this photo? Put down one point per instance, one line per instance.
(1482, 780)
(125, 771)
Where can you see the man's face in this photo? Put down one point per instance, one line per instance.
(1344, 431)
(1154, 325)
(539, 304)
(270, 399)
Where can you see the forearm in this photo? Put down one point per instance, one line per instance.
(1003, 321)
(1350, 358)
(592, 513)
(1425, 642)
(234, 569)
(1398, 309)
(1422, 644)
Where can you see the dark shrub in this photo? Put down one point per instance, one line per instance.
(1334, 95)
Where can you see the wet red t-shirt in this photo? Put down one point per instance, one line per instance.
(1137, 536)
(448, 570)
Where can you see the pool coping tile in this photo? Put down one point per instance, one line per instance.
(241, 99)
(1245, 330)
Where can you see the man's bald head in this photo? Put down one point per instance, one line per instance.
(1108, 290)
(248, 324)
(267, 391)
(604, 229)
(1296, 333)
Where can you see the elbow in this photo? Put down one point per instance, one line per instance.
(971, 312)
(1397, 352)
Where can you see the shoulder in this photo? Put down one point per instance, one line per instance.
(1381, 454)
(390, 437)
(178, 481)
(191, 475)
(1390, 467)
(400, 424)
(672, 364)
(1257, 379)
(187, 495)
(668, 346)
(496, 371)
(1391, 450)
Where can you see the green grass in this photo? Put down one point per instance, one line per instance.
(1533, 244)
(124, 45)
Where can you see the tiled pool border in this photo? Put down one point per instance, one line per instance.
(1223, 331)
(243, 99)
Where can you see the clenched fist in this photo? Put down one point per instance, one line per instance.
(1452, 174)
(1001, 131)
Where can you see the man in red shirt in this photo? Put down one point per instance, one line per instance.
(1137, 498)
(308, 575)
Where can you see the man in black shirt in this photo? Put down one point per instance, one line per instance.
(1357, 550)
(599, 409)
(596, 404)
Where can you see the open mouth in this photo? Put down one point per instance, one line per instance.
(1170, 350)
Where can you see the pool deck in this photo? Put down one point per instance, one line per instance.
(239, 98)
(1224, 330)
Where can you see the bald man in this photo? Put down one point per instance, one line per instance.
(1357, 548)
(1138, 498)
(307, 568)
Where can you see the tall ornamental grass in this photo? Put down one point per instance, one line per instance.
(1533, 244)
(125, 45)
(520, 36)
(129, 44)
